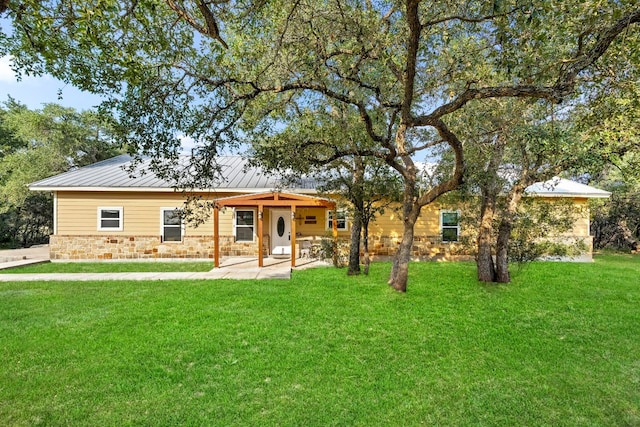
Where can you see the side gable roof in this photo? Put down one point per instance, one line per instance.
(111, 174)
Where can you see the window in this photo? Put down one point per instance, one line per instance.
(342, 220)
(450, 225)
(245, 224)
(110, 218)
(171, 225)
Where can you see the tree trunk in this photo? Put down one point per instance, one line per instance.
(502, 251)
(486, 267)
(400, 267)
(354, 249)
(356, 197)
(365, 245)
(490, 186)
(504, 232)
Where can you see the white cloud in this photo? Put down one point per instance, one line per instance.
(187, 143)
(7, 75)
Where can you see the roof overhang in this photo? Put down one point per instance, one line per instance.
(560, 187)
(161, 189)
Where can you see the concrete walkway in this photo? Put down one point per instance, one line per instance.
(18, 257)
(231, 268)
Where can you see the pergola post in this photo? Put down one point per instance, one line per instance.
(260, 220)
(293, 235)
(216, 236)
(335, 235)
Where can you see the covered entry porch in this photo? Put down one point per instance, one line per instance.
(282, 209)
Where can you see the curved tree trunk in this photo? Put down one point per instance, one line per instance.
(400, 267)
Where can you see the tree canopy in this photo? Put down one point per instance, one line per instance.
(232, 72)
(37, 144)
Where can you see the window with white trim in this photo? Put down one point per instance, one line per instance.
(171, 225)
(110, 218)
(450, 225)
(342, 220)
(245, 222)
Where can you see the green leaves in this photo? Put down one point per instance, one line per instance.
(39, 144)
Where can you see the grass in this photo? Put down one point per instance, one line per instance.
(110, 267)
(558, 346)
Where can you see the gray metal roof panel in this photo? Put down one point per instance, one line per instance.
(112, 173)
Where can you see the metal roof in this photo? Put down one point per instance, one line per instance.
(112, 174)
(560, 187)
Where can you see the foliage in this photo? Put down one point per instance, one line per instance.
(336, 251)
(536, 222)
(616, 221)
(316, 350)
(28, 224)
(39, 144)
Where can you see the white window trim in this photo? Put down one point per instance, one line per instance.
(235, 224)
(55, 213)
(182, 227)
(329, 218)
(110, 208)
(442, 212)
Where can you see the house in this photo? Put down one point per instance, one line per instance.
(101, 212)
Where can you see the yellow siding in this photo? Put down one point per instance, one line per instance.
(77, 213)
(390, 223)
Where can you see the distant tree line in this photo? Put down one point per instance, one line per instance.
(36, 144)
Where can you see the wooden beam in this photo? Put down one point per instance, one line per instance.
(276, 203)
(293, 236)
(275, 199)
(216, 236)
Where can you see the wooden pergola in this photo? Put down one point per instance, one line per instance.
(260, 201)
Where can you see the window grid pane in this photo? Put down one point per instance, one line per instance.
(449, 234)
(171, 218)
(172, 234)
(244, 234)
(110, 214)
(450, 219)
(110, 223)
(244, 218)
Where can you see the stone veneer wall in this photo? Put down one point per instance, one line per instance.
(146, 247)
(150, 247)
(423, 247)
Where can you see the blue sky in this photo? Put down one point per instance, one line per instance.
(37, 91)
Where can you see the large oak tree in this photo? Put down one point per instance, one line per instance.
(225, 72)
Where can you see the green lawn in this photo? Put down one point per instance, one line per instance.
(559, 346)
(110, 267)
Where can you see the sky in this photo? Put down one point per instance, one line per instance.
(34, 92)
